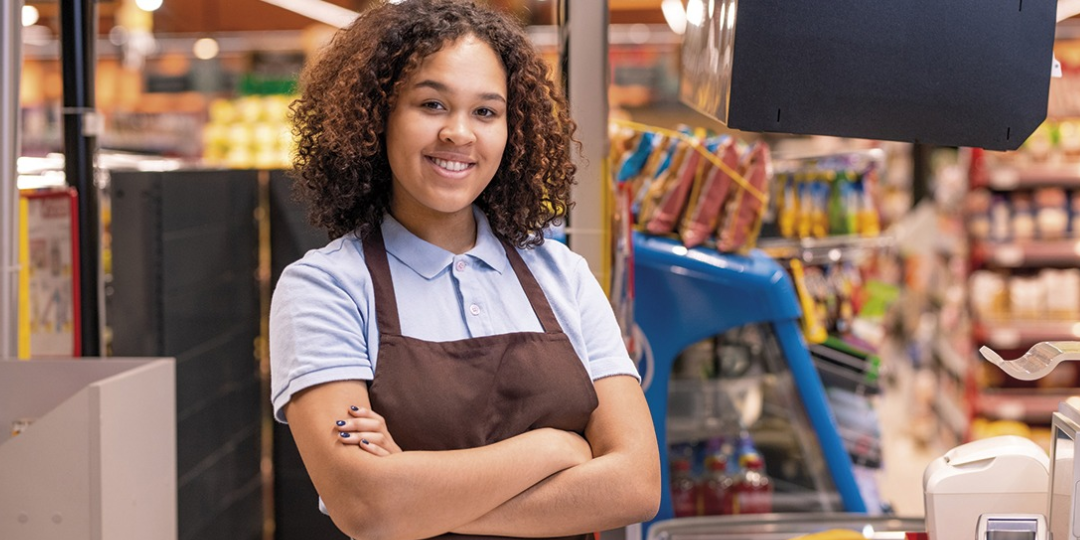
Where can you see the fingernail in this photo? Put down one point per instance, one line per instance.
(341, 422)
(354, 408)
(365, 441)
(344, 435)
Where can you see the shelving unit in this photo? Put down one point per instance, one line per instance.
(1037, 253)
(1014, 182)
(1024, 405)
(1015, 334)
(1009, 177)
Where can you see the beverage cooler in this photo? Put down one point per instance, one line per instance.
(744, 423)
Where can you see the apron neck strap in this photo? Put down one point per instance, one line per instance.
(386, 311)
(532, 289)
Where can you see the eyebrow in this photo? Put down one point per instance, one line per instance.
(440, 87)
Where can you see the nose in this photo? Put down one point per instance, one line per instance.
(457, 131)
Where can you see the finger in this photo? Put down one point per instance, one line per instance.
(360, 424)
(361, 412)
(346, 437)
(379, 439)
(373, 448)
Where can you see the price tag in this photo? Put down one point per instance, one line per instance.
(1004, 178)
(1010, 255)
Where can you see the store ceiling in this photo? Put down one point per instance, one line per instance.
(209, 16)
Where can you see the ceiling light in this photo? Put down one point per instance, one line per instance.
(321, 11)
(205, 48)
(148, 5)
(30, 15)
(675, 15)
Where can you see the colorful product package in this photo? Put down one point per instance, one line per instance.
(700, 221)
(743, 220)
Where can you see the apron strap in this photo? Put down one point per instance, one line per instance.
(386, 310)
(532, 289)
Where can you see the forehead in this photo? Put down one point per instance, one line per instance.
(466, 62)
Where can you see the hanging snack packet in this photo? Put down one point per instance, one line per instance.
(655, 192)
(634, 161)
(658, 161)
(701, 219)
(743, 220)
(674, 197)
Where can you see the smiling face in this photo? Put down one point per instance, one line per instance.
(446, 133)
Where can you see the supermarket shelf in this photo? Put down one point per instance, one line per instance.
(1006, 177)
(1013, 334)
(1029, 253)
(953, 361)
(824, 250)
(1025, 405)
(952, 414)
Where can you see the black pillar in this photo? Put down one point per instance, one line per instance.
(78, 24)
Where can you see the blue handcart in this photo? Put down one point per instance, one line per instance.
(724, 362)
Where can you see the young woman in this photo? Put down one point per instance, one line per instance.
(441, 367)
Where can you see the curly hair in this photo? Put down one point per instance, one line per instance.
(341, 167)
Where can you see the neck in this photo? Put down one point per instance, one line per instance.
(455, 233)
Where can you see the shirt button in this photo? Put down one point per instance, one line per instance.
(474, 309)
(460, 266)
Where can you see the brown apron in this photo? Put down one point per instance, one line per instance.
(478, 391)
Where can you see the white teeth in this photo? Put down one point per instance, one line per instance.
(455, 166)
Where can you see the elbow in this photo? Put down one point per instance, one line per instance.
(362, 520)
(645, 501)
(641, 497)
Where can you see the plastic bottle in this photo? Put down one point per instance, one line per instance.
(684, 490)
(716, 489)
(751, 489)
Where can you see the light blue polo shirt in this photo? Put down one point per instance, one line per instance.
(322, 316)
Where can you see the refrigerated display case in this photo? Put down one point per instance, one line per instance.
(726, 371)
(782, 527)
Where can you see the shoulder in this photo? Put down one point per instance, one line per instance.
(553, 255)
(337, 265)
(556, 266)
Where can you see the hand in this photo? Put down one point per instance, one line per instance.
(366, 429)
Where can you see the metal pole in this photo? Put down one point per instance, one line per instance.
(583, 59)
(78, 24)
(10, 70)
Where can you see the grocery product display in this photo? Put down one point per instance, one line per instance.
(250, 132)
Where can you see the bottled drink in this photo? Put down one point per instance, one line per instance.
(716, 490)
(751, 489)
(684, 491)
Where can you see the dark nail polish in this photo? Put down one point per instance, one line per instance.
(354, 408)
(365, 441)
(344, 435)
(341, 422)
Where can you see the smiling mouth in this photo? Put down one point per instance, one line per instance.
(452, 166)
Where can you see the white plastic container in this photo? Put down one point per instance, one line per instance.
(1000, 475)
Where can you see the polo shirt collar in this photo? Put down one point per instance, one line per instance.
(428, 259)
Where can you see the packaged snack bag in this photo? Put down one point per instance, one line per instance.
(701, 219)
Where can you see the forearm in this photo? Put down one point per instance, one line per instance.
(451, 488)
(602, 494)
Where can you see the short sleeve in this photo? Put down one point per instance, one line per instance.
(604, 345)
(317, 334)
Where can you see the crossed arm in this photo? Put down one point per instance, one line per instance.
(545, 482)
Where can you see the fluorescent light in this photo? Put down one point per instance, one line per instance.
(30, 15)
(318, 10)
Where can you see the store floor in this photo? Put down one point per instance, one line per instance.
(905, 455)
